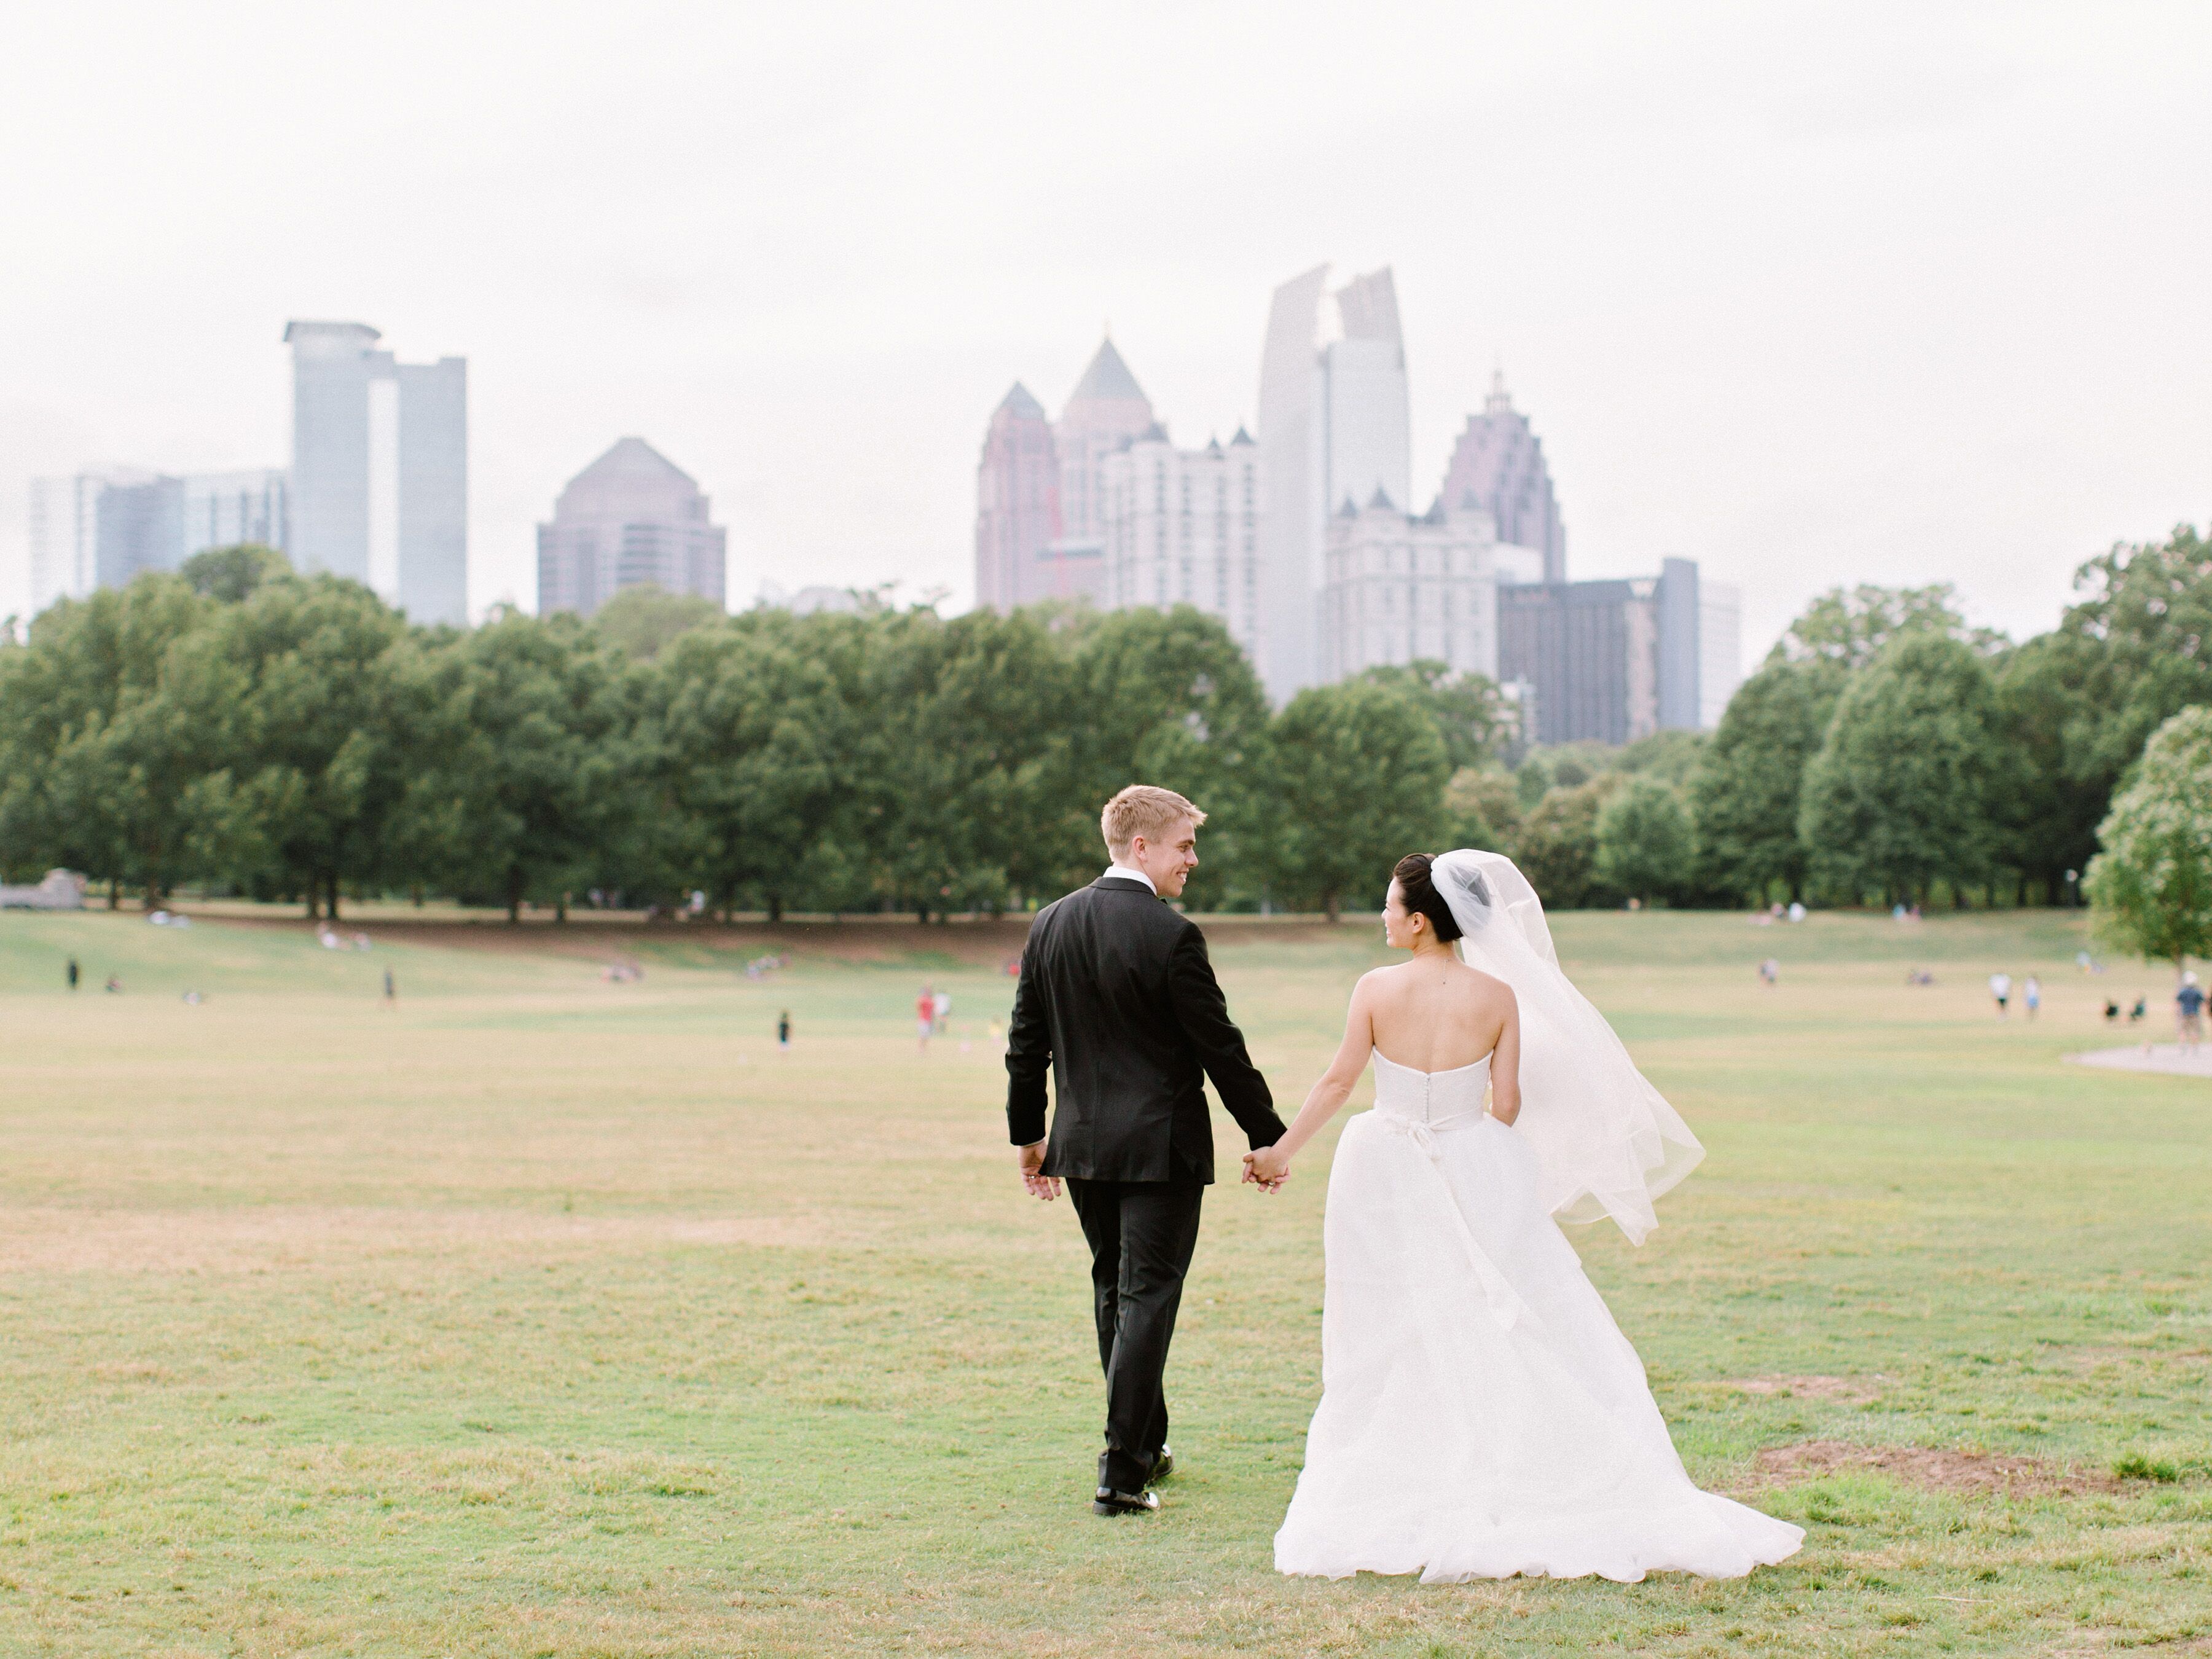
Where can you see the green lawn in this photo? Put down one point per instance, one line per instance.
(542, 1315)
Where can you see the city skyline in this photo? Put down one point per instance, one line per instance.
(1809, 301)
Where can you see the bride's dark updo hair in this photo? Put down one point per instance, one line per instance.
(1411, 876)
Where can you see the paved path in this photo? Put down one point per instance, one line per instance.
(2168, 1057)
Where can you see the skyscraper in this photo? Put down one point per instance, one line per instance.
(631, 519)
(379, 469)
(1183, 527)
(98, 529)
(222, 509)
(1609, 661)
(1498, 464)
(1400, 589)
(1335, 425)
(1018, 506)
(1106, 413)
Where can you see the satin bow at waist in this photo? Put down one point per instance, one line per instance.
(1503, 1301)
(1424, 1130)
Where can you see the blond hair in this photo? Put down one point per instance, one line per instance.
(1143, 810)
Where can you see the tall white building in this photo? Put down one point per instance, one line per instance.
(1335, 425)
(222, 509)
(1182, 526)
(379, 469)
(98, 529)
(1397, 589)
(1720, 649)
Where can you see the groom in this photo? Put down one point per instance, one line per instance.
(1118, 999)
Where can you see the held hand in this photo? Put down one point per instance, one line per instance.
(1267, 1168)
(1031, 1158)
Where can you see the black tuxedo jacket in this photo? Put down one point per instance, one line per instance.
(1118, 1000)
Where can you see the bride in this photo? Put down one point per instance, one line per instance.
(1481, 1415)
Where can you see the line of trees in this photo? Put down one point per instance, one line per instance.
(1886, 752)
(245, 729)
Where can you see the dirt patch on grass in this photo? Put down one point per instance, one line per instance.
(57, 1240)
(1851, 1391)
(1930, 1466)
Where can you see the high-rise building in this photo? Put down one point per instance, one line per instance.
(100, 529)
(1183, 527)
(379, 469)
(1720, 649)
(1018, 506)
(1498, 462)
(1400, 589)
(631, 519)
(1107, 412)
(1606, 661)
(1335, 425)
(222, 509)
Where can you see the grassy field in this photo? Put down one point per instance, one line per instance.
(540, 1315)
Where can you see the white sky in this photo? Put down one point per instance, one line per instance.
(1813, 293)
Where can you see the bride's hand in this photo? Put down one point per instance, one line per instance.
(1267, 1168)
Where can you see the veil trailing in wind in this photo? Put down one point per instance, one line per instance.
(1607, 1142)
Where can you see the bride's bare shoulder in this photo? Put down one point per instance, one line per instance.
(1488, 985)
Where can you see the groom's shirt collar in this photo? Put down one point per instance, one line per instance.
(1125, 873)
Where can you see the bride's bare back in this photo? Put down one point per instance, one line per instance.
(1435, 1013)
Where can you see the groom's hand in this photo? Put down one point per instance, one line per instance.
(1031, 1160)
(1267, 1168)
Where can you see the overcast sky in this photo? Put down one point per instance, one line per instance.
(1896, 293)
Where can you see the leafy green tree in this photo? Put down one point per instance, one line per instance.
(322, 739)
(1169, 698)
(1558, 845)
(1898, 797)
(642, 621)
(1360, 775)
(1484, 808)
(2151, 886)
(1670, 757)
(2142, 652)
(230, 574)
(1470, 714)
(1849, 630)
(1746, 791)
(522, 786)
(1646, 847)
(2053, 793)
(749, 739)
(109, 726)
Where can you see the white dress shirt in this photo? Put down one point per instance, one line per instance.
(1126, 873)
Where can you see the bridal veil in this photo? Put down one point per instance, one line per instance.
(1607, 1142)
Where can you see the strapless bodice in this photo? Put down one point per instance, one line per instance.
(1435, 1100)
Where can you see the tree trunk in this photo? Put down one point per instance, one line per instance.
(419, 895)
(1336, 909)
(114, 893)
(331, 894)
(314, 899)
(922, 915)
(560, 908)
(775, 907)
(513, 898)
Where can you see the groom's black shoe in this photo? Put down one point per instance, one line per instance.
(1162, 1467)
(1110, 1502)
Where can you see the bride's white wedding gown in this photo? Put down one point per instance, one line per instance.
(1481, 1414)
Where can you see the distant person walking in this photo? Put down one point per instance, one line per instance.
(783, 1031)
(1770, 971)
(2032, 995)
(941, 1010)
(114, 983)
(72, 973)
(2001, 993)
(391, 991)
(924, 1018)
(2189, 1011)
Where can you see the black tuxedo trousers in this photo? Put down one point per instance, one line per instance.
(1141, 1234)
